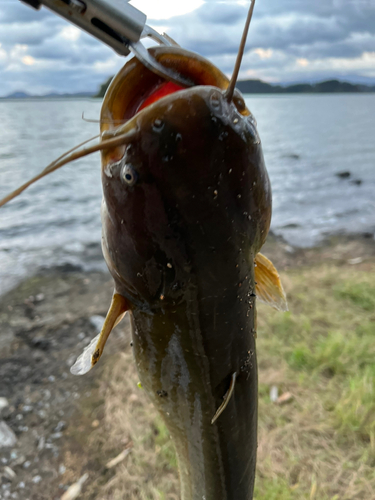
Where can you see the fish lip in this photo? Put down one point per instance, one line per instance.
(122, 98)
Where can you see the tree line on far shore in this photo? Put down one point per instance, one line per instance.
(259, 87)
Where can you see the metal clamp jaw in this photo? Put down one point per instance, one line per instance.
(117, 24)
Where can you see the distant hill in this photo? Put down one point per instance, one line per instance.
(18, 95)
(103, 87)
(245, 86)
(54, 95)
(259, 87)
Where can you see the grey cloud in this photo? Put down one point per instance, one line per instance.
(310, 29)
(21, 13)
(35, 33)
(226, 14)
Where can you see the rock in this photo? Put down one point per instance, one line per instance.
(356, 182)
(36, 479)
(56, 435)
(7, 436)
(289, 249)
(39, 297)
(97, 322)
(293, 156)
(19, 461)
(343, 175)
(41, 443)
(3, 403)
(356, 260)
(40, 342)
(60, 426)
(10, 474)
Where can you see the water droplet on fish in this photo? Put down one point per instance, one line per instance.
(230, 171)
(238, 196)
(122, 221)
(215, 193)
(158, 125)
(178, 137)
(249, 217)
(235, 120)
(161, 297)
(169, 265)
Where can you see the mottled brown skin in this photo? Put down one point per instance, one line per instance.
(180, 244)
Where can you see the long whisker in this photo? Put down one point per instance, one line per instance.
(92, 120)
(232, 84)
(73, 149)
(68, 157)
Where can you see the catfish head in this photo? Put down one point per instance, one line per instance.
(189, 187)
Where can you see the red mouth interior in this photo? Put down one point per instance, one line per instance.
(161, 91)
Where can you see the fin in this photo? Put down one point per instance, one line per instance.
(94, 350)
(226, 398)
(269, 289)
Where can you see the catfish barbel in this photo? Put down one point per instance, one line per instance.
(186, 209)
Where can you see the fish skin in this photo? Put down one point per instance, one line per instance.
(180, 245)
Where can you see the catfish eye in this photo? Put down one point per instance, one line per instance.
(129, 175)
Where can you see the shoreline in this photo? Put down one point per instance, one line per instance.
(91, 259)
(45, 321)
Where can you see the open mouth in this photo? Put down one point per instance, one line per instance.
(162, 90)
(136, 87)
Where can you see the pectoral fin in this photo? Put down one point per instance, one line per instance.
(94, 350)
(269, 288)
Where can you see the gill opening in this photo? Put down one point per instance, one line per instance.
(232, 84)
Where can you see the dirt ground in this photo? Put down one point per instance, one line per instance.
(45, 322)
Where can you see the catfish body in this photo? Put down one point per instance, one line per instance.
(187, 205)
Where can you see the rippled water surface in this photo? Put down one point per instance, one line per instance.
(307, 139)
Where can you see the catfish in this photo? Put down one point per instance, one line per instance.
(186, 209)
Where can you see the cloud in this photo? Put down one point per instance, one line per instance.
(289, 40)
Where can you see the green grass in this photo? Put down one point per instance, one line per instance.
(323, 351)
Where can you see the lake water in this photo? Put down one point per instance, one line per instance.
(307, 139)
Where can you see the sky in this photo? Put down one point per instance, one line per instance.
(289, 41)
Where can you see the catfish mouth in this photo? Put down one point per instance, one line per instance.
(162, 90)
(135, 87)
